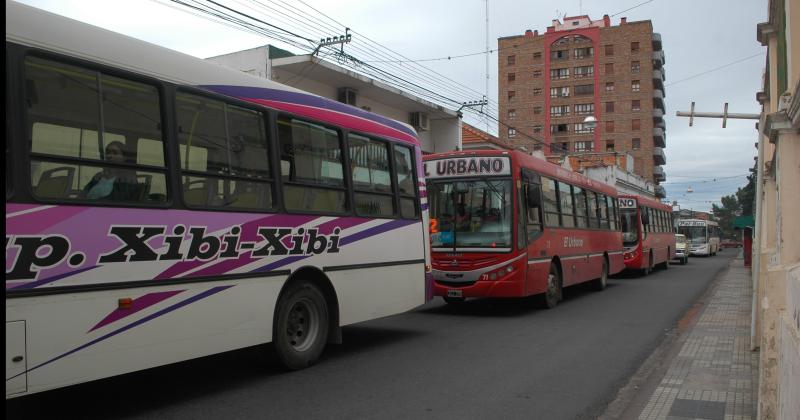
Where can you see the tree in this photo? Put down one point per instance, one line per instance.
(726, 213)
(747, 194)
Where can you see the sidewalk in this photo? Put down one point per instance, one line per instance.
(715, 375)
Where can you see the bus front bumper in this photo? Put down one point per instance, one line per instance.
(511, 286)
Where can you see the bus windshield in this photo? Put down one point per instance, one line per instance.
(630, 227)
(471, 214)
(694, 234)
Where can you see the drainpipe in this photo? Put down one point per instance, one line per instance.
(756, 251)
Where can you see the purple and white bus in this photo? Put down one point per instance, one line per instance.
(161, 208)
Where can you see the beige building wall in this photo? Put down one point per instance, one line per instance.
(776, 320)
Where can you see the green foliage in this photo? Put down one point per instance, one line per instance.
(738, 204)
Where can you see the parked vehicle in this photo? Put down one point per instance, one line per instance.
(730, 243)
(681, 251)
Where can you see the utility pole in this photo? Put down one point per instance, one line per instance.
(342, 39)
(724, 115)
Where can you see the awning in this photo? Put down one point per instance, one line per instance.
(741, 222)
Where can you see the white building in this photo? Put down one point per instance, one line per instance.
(439, 128)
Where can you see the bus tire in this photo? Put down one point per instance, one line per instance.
(646, 271)
(301, 325)
(666, 261)
(600, 284)
(554, 292)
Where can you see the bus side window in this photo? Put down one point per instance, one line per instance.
(550, 202)
(533, 210)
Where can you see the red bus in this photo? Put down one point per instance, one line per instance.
(647, 233)
(507, 224)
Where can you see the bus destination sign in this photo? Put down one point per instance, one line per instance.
(468, 166)
(627, 203)
(691, 223)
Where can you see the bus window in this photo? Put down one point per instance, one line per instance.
(533, 208)
(580, 207)
(372, 181)
(404, 168)
(65, 107)
(311, 155)
(566, 205)
(223, 153)
(551, 217)
(602, 207)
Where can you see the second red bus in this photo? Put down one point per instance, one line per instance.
(647, 233)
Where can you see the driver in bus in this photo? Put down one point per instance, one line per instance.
(113, 183)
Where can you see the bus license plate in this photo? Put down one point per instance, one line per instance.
(455, 293)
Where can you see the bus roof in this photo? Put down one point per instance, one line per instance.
(536, 164)
(37, 28)
(649, 202)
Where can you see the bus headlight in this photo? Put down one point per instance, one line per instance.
(499, 273)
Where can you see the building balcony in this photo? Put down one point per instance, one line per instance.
(656, 41)
(658, 115)
(658, 174)
(658, 156)
(660, 191)
(659, 139)
(662, 125)
(658, 79)
(658, 59)
(658, 98)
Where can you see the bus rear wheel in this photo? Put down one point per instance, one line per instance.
(646, 271)
(300, 329)
(666, 261)
(553, 294)
(600, 283)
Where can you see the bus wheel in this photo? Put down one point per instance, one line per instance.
(666, 262)
(553, 294)
(601, 283)
(300, 329)
(453, 300)
(646, 271)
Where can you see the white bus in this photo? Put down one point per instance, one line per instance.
(702, 236)
(161, 208)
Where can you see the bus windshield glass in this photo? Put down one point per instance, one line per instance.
(471, 214)
(694, 234)
(630, 227)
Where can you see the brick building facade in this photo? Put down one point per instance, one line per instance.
(549, 83)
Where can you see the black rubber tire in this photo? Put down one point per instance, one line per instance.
(647, 270)
(453, 300)
(554, 293)
(665, 265)
(301, 326)
(599, 284)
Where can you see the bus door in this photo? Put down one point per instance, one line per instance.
(530, 227)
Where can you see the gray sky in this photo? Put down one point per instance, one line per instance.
(698, 35)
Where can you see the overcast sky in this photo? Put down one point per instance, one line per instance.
(698, 36)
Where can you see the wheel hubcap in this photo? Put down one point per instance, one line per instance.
(302, 325)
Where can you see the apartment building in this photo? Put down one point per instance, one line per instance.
(550, 82)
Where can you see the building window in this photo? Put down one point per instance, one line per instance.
(609, 145)
(537, 91)
(511, 95)
(609, 68)
(559, 54)
(556, 74)
(512, 59)
(537, 110)
(559, 92)
(636, 144)
(584, 89)
(512, 113)
(512, 132)
(636, 125)
(559, 148)
(512, 77)
(537, 73)
(581, 128)
(609, 107)
(584, 71)
(559, 110)
(584, 109)
(537, 128)
(635, 86)
(609, 126)
(609, 50)
(559, 128)
(636, 105)
(537, 147)
(634, 47)
(634, 67)
(584, 146)
(580, 53)
(609, 86)
(537, 56)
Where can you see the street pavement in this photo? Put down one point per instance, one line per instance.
(487, 358)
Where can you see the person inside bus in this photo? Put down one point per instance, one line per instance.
(113, 183)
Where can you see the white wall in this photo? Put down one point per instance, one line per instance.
(252, 61)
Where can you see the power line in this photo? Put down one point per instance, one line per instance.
(715, 69)
(631, 8)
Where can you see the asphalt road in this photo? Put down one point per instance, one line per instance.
(483, 359)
